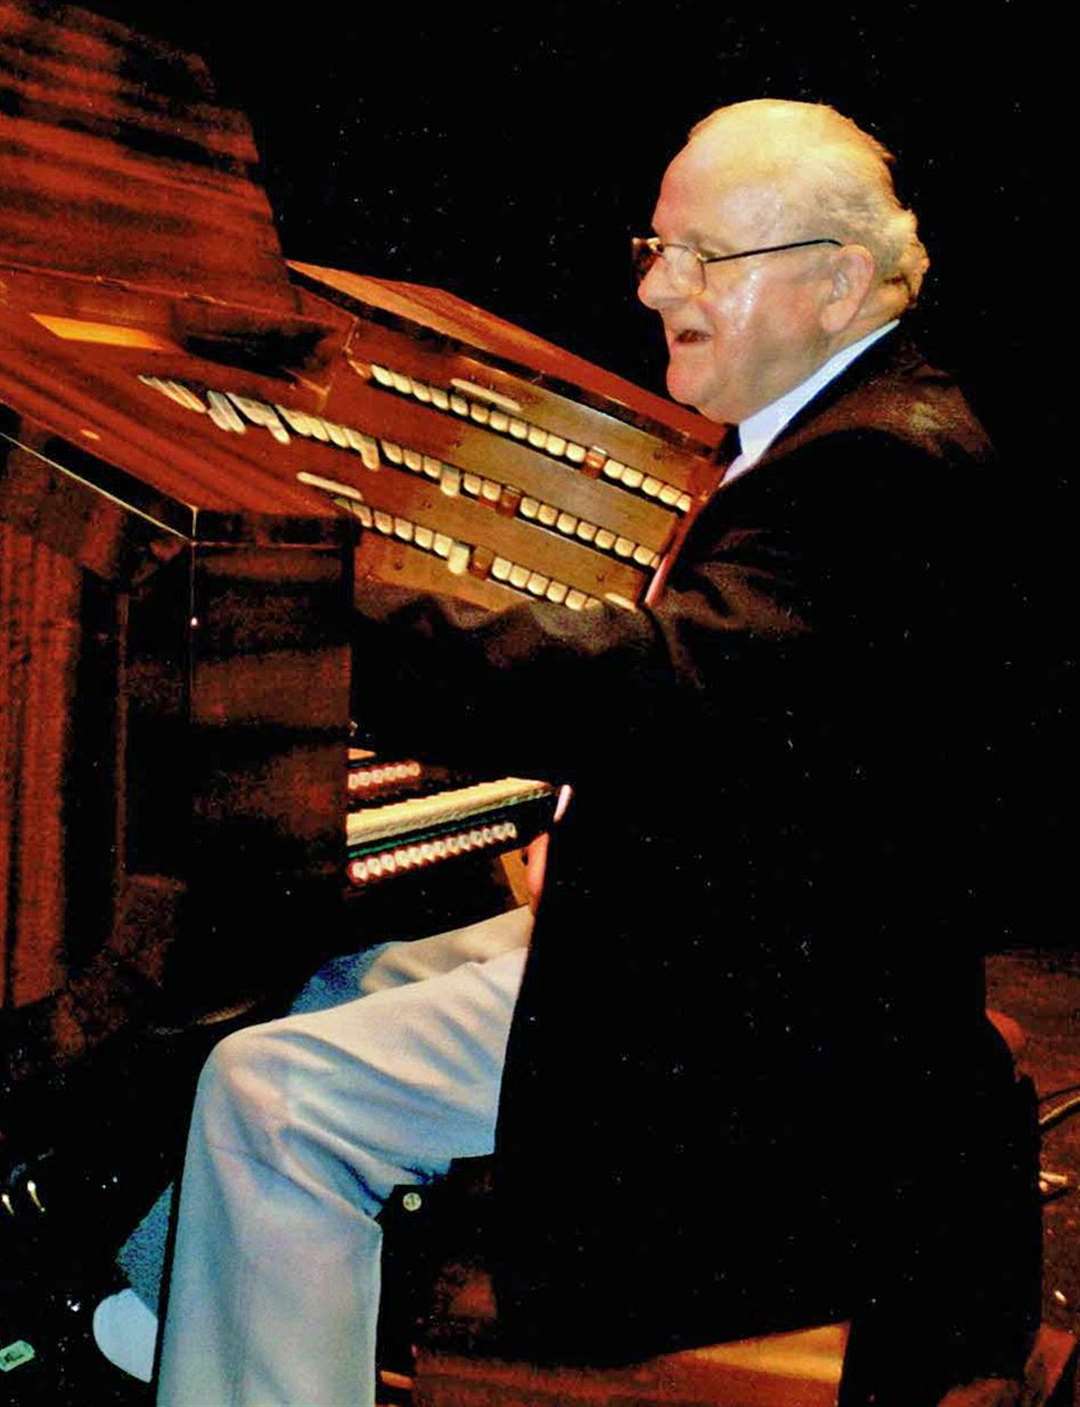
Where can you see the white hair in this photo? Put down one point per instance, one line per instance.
(835, 175)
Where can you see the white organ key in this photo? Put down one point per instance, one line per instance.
(365, 447)
(491, 491)
(566, 523)
(392, 452)
(556, 445)
(443, 544)
(471, 483)
(575, 453)
(364, 513)
(548, 514)
(450, 483)
(518, 429)
(684, 503)
(189, 399)
(482, 393)
(587, 531)
(669, 494)
(605, 539)
(424, 537)
(439, 398)
(643, 556)
(575, 599)
(500, 568)
(432, 468)
(556, 592)
(529, 507)
(459, 405)
(499, 421)
(223, 414)
(519, 576)
(414, 461)
(632, 478)
(537, 437)
(623, 547)
(651, 486)
(537, 584)
(337, 433)
(403, 529)
(401, 383)
(384, 523)
(479, 413)
(614, 470)
(457, 559)
(381, 375)
(421, 392)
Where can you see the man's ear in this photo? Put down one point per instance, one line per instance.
(853, 273)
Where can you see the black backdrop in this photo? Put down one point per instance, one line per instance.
(506, 153)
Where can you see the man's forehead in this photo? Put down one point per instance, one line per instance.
(710, 186)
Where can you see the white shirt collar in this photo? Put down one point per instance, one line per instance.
(758, 431)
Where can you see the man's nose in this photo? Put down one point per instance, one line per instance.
(657, 289)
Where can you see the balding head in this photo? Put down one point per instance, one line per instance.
(827, 176)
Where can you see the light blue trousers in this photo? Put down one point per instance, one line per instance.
(300, 1130)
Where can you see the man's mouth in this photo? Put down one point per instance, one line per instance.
(689, 336)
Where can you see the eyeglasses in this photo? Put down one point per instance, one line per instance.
(686, 265)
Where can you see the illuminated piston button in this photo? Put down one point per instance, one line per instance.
(389, 864)
(450, 483)
(358, 870)
(424, 537)
(401, 383)
(453, 844)
(415, 857)
(403, 859)
(566, 523)
(457, 559)
(427, 852)
(519, 576)
(382, 376)
(487, 835)
(439, 847)
(374, 866)
(459, 405)
(651, 486)
(518, 429)
(439, 398)
(556, 592)
(433, 467)
(392, 452)
(537, 584)
(384, 523)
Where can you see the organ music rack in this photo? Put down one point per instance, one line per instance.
(191, 430)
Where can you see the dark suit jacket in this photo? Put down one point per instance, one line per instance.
(750, 1083)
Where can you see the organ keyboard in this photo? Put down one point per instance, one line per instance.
(178, 408)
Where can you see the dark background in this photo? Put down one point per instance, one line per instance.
(507, 153)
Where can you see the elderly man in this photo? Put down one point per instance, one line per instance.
(748, 1082)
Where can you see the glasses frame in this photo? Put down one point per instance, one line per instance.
(656, 247)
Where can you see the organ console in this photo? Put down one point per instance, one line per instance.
(207, 455)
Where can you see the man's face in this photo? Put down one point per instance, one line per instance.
(755, 331)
